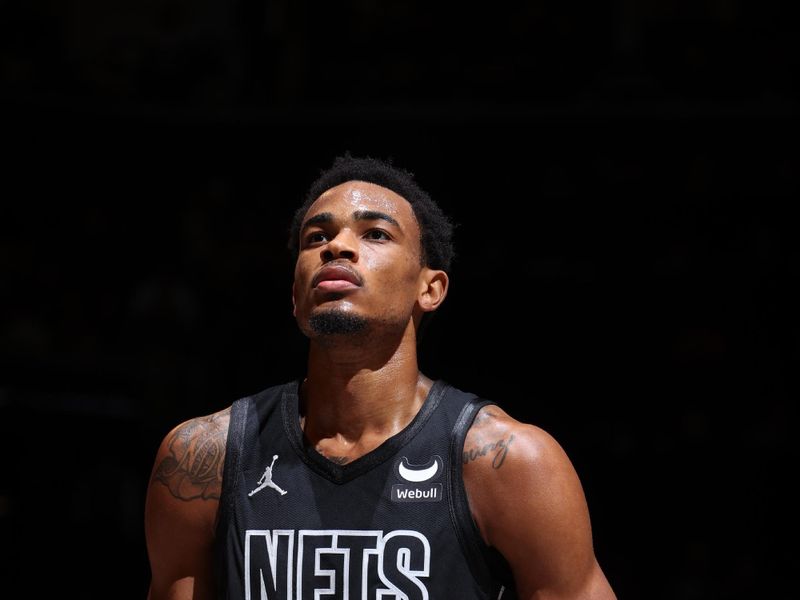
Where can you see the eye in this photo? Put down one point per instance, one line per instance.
(377, 234)
(315, 237)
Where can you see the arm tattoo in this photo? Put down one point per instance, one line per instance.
(193, 468)
(500, 446)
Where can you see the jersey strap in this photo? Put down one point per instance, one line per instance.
(484, 560)
(233, 456)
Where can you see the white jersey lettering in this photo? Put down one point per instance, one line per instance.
(335, 564)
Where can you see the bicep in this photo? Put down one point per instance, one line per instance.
(180, 511)
(179, 547)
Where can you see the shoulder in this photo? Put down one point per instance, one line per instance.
(191, 457)
(493, 433)
(528, 503)
(203, 427)
(513, 466)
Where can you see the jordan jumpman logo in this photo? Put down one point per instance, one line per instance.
(266, 480)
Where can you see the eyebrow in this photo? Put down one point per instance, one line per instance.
(359, 215)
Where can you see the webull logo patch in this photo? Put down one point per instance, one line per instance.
(421, 486)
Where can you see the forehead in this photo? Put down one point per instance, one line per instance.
(346, 198)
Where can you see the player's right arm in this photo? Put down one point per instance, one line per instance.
(181, 508)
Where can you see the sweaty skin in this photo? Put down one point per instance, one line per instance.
(360, 256)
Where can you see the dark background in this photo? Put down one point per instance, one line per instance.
(623, 177)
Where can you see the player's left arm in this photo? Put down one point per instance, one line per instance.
(528, 503)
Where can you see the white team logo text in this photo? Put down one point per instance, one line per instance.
(312, 564)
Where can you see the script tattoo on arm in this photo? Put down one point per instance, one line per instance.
(193, 467)
(499, 447)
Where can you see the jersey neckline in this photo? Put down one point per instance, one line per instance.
(290, 400)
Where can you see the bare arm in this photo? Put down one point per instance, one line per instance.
(529, 504)
(181, 508)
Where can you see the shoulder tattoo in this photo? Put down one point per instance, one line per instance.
(192, 468)
(497, 448)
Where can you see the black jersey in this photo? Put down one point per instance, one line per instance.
(393, 524)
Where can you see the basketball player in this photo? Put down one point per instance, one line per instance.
(366, 479)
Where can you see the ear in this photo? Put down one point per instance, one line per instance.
(433, 289)
(294, 302)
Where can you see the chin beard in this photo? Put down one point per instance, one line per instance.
(337, 322)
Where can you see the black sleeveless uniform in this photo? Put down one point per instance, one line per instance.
(393, 524)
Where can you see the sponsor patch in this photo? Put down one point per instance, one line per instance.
(402, 492)
(418, 480)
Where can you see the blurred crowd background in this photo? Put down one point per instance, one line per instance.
(623, 176)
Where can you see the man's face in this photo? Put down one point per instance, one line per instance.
(359, 261)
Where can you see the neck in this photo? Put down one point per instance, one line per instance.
(354, 398)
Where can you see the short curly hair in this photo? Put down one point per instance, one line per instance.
(436, 229)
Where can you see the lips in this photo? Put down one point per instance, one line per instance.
(336, 273)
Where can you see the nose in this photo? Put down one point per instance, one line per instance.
(344, 245)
